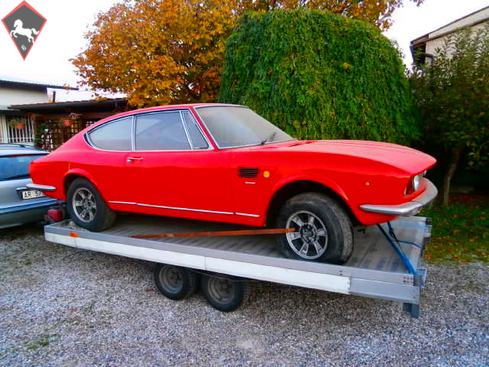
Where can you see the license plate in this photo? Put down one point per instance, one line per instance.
(31, 194)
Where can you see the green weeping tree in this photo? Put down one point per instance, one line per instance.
(319, 75)
(452, 94)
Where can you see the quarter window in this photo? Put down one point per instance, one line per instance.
(161, 131)
(196, 136)
(113, 136)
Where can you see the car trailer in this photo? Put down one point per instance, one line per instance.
(385, 264)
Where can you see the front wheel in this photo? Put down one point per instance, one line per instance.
(175, 282)
(323, 231)
(87, 208)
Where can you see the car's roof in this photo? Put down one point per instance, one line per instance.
(14, 149)
(162, 108)
(187, 105)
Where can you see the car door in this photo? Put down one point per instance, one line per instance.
(106, 163)
(176, 167)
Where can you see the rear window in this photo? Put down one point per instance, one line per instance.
(16, 167)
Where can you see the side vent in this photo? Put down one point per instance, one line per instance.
(248, 172)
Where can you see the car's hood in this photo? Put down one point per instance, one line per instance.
(408, 159)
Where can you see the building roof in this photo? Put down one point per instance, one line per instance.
(469, 20)
(11, 81)
(75, 106)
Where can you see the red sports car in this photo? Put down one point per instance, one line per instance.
(225, 163)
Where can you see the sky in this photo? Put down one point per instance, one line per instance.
(62, 37)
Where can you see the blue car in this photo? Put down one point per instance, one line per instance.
(18, 204)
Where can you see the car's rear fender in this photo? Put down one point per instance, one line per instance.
(75, 173)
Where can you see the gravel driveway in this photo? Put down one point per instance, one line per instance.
(66, 307)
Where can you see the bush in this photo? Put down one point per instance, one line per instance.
(318, 75)
(452, 97)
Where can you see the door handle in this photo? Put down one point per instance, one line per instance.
(131, 159)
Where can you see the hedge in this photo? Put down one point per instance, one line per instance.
(318, 75)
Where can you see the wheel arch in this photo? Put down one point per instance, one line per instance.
(73, 175)
(301, 186)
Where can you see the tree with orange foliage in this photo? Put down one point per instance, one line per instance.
(376, 12)
(171, 51)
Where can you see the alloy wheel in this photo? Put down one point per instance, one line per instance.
(310, 238)
(84, 205)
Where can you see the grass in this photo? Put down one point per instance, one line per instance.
(460, 230)
(40, 341)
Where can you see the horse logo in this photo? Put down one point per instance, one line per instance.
(18, 29)
(22, 16)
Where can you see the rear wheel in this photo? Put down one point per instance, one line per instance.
(323, 230)
(224, 293)
(87, 208)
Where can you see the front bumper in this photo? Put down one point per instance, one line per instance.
(405, 209)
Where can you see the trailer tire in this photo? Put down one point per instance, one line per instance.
(92, 212)
(324, 229)
(224, 293)
(175, 282)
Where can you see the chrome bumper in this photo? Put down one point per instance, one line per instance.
(406, 209)
(40, 187)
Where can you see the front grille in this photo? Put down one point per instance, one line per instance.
(248, 172)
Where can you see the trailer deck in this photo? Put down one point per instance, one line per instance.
(374, 270)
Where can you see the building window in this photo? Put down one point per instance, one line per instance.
(18, 130)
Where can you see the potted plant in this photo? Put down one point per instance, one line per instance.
(17, 123)
(65, 122)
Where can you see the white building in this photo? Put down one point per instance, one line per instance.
(425, 46)
(15, 127)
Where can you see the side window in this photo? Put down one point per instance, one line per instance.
(196, 136)
(161, 131)
(113, 136)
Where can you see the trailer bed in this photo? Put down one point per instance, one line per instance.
(374, 270)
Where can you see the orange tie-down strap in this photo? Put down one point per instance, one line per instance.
(250, 232)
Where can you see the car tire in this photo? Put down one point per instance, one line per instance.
(87, 208)
(175, 282)
(224, 293)
(324, 230)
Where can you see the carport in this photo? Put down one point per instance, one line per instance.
(55, 123)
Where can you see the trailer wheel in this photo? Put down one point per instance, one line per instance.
(87, 208)
(323, 229)
(175, 282)
(224, 293)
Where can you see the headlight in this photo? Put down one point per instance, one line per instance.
(414, 183)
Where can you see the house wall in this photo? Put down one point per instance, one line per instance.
(464, 22)
(3, 129)
(19, 95)
(10, 96)
(433, 45)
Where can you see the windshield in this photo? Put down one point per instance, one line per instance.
(234, 126)
(16, 167)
